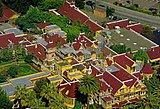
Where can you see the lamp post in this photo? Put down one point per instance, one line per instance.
(132, 2)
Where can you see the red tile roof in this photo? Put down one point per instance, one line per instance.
(123, 75)
(38, 51)
(75, 14)
(107, 98)
(154, 53)
(138, 75)
(43, 24)
(135, 100)
(80, 54)
(30, 39)
(95, 71)
(20, 38)
(83, 41)
(52, 40)
(26, 43)
(109, 62)
(130, 82)
(5, 39)
(68, 89)
(72, 12)
(94, 26)
(120, 23)
(103, 86)
(144, 88)
(7, 13)
(123, 60)
(120, 104)
(76, 46)
(147, 69)
(128, 79)
(135, 27)
(111, 80)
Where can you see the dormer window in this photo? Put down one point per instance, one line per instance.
(50, 42)
(39, 53)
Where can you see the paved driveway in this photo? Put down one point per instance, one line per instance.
(143, 3)
(133, 15)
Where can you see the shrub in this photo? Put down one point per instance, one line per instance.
(116, 3)
(136, 5)
(5, 103)
(28, 58)
(13, 71)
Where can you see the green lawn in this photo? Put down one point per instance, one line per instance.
(23, 68)
(5, 63)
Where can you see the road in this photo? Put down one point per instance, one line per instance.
(133, 15)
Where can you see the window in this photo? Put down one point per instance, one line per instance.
(121, 90)
(138, 87)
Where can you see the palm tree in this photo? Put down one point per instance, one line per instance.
(20, 94)
(51, 94)
(20, 91)
(29, 96)
(35, 103)
(88, 86)
(56, 102)
(47, 91)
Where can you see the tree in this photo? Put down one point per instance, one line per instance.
(85, 28)
(77, 105)
(79, 3)
(56, 102)
(50, 4)
(92, 4)
(152, 100)
(72, 33)
(47, 91)
(141, 55)
(6, 55)
(5, 103)
(27, 98)
(88, 86)
(21, 6)
(50, 93)
(13, 71)
(120, 48)
(20, 92)
(109, 11)
(3, 78)
(37, 103)
(1, 10)
(38, 87)
(29, 58)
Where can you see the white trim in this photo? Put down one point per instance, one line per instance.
(111, 50)
(128, 80)
(126, 70)
(102, 80)
(130, 59)
(114, 77)
(96, 24)
(54, 11)
(118, 21)
(133, 25)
